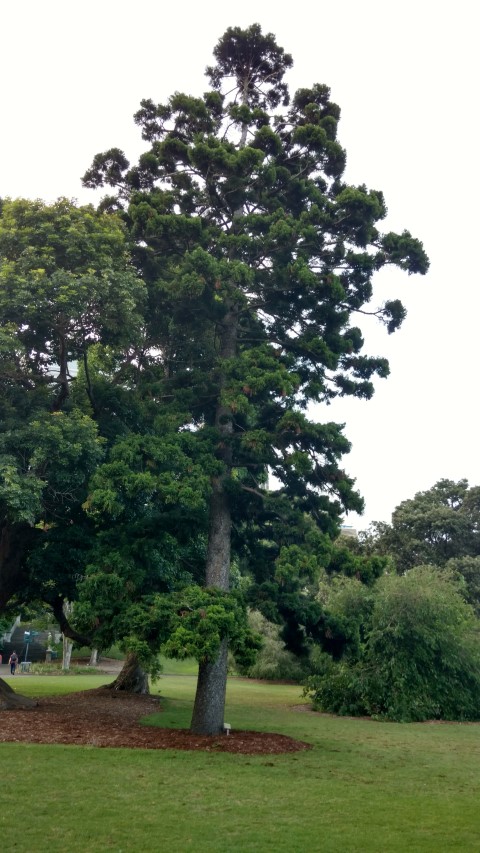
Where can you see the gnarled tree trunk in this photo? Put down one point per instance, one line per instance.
(11, 701)
(132, 678)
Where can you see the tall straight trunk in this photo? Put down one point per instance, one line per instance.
(67, 643)
(67, 653)
(209, 706)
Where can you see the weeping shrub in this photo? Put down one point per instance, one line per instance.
(420, 659)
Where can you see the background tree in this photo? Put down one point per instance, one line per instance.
(66, 287)
(291, 567)
(438, 527)
(65, 283)
(256, 255)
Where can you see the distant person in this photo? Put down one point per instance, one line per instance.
(13, 662)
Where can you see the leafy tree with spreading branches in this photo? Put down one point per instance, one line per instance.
(438, 527)
(67, 286)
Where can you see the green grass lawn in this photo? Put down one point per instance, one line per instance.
(170, 666)
(365, 786)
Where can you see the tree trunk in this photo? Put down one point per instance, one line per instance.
(132, 679)
(67, 643)
(209, 706)
(11, 701)
(93, 657)
(61, 615)
(67, 653)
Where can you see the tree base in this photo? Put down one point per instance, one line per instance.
(132, 678)
(209, 707)
(11, 701)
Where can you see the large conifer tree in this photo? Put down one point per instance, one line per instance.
(256, 255)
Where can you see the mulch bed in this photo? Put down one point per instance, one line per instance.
(105, 718)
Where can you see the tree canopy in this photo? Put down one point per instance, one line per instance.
(434, 526)
(66, 285)
(438, 527)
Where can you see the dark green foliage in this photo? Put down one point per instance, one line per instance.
(468, 569)
(273, 661)
(409, 648)
(438, 527)
(189, 622)
(336, 687)
(292, 268)
(433, 527)
(148, 503)
(266, 62)
(302, 568)
(66, 287)
(347, 610)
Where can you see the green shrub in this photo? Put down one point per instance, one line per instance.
(56, 669)
(420, 660)
(336, 687)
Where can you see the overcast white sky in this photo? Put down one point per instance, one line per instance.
(406, 78)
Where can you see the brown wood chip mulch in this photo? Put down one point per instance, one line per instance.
(104, 718)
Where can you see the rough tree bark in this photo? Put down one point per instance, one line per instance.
(132, 678)
(209, 706)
